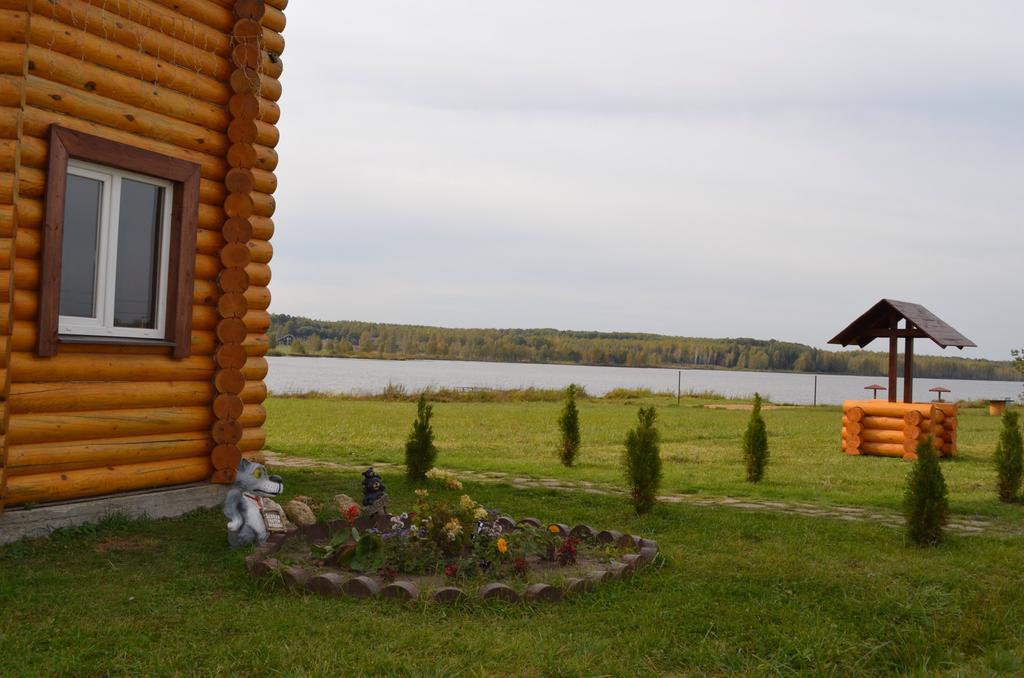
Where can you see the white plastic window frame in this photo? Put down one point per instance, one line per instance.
(102, 324)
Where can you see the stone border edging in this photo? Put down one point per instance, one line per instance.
(262, 564)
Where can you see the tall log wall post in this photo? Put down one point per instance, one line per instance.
(894, 323)
(13, 100)
(908, 369)
(239, 208)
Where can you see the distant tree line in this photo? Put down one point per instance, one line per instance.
(622, 349)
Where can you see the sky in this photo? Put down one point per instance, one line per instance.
(712, 169)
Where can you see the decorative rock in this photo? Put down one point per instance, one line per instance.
(251, 560)
(561, 528)
(648, 554)
(617, 570)
(627, 541)
(264, 568)
(609, 536)
(400, 590)
(316, 532)
(582, 532)
(649, 543)
(532, 522)
(299, 513)
(599, 577)
(498, 591)
(545, 593)
(277, 538)
(505, 523)
(343, 502)
(326, 584)
(632, 561)
(294, 577)
(360, 587)
(449, 594)
(268, 548)
(575, 586)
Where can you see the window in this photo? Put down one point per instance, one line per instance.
(118, 246)
(114, 253)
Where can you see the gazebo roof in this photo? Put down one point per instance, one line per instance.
(877, 322)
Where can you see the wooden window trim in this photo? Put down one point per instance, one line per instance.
(65, 144)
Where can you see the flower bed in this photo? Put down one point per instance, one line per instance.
(447, 552)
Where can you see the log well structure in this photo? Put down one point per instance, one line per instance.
(192, 82)
(894, 429)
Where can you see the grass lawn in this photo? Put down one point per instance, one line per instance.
(700, 447)
(755, 593)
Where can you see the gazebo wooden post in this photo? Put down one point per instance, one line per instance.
(894, 321)
(908, 369)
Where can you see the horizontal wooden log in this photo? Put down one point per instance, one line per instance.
(88, 77)
(253, 439)
(852, 427)
(882, 436)
(882, 408)
(114, 367)
(12, 58)
(26, 428)
(884, 423)
(261, 251)
(45, 487)
(882, 449)
(13, 25)
(130, 33)
(129, 61)
(9, 118)
(916, 432)
(50, 457)
(45, 94)
(33, 398)
(914, 418)
(10, 90)
(854, 414)
(37, 124)
(205, 318)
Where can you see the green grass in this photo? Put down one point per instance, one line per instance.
(751, 593)
(701, 447)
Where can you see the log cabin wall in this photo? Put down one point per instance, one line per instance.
(191, 79)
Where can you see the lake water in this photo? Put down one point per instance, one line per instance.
(354, 375)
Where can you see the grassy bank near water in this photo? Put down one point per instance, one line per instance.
(701, 441)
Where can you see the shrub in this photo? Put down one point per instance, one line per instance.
(925, 504)
(643, 463)
(1009, 458)
(755, 443)
(569, 424)
(420, 452)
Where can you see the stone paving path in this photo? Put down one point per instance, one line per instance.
(960, 524)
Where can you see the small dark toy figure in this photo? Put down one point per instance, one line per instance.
(375, 499)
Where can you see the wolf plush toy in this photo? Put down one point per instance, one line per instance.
(244, 504)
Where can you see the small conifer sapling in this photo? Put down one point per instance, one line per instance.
(1009, 459)
(569, 425)
(925, 504)
(643, 461)
(420, 451)
(755, 443)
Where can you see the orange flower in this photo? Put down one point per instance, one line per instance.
(502, 545)
(553, 529)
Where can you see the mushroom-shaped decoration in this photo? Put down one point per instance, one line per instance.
(874, 388)
(940, 390)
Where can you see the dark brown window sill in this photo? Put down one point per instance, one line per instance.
(112, 341)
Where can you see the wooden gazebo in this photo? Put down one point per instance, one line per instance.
(894, 429)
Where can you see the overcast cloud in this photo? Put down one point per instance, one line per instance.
(713, 169)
